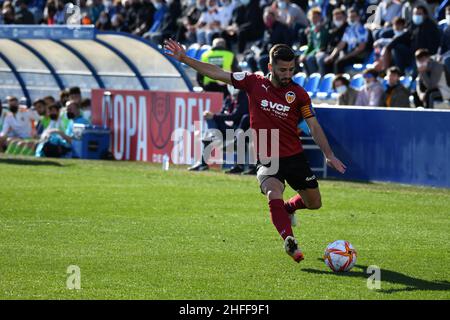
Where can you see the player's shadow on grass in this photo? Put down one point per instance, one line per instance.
(29, 162)
(393, 277)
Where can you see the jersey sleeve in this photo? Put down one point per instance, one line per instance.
(243, 80)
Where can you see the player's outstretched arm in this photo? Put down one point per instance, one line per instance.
(176, 51)
(320, 138)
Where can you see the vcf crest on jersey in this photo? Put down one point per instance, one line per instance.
(290, 96)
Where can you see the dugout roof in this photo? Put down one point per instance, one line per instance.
(36, 61)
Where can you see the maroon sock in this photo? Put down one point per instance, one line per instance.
(280, 218)
(294, 203)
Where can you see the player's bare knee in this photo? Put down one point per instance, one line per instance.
(314, 205)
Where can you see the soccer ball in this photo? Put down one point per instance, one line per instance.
(340, 256)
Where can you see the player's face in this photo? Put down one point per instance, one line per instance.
(282, 71)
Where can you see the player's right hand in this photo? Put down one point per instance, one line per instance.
(174, 49)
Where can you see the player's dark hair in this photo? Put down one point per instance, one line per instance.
(281, 52)
(422, 53)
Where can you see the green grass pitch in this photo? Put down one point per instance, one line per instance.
(138, 232)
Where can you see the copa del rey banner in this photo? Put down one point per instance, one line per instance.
(146, 125)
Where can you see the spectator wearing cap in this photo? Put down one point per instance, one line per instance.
(396, 94)
(372, 93)
(346, 94)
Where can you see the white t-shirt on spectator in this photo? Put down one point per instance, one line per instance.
(20, 124)
(210, 16)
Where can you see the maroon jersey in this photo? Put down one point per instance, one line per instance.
(275, 108)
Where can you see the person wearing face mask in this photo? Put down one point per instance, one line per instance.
(57, 141)
(353, 48)
(421, 33)
(372, 93)
(408, 9)
(346, 94)
(386, 11)
(317, 40)
(189, 19)
(18, 125)
(433, 82)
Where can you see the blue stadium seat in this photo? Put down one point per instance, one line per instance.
(312, 84)
(202, 50)
(192, 50)
(357, 82)
(326, 86)
(406, 81)
(299, 78)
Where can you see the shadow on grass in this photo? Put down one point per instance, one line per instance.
(30, 162)
(410, 283)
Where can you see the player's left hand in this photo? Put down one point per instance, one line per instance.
(208, 115)
(336, 164)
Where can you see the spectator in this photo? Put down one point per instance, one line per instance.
(291, 14)
(169, 23)
(49, 13)
(209, 23)
(147, 16)
(335, 34)
(396, 94)
(189, 19)
(118, 23)
(60, 14)
(40, 107)
(385, 13)
(103, 22)
(354, 45)
(18, 127)
(372, 93)
(57, 142)
(346, 94)
(317, 39)
(247, 24)
(95, 10)
(234, 109)
(408, 8)
(276, 32)
(422, 33)
(23, 15)
(158, 16)
(383, 61)
(223, 58)
(433, 80)
(8, 14)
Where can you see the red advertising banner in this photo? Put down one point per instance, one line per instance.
(146, 125)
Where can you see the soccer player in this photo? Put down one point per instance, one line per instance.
(276, 102)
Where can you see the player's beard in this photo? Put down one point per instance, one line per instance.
(283, 82)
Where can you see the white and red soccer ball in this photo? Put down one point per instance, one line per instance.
(340, 256)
